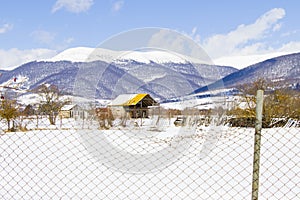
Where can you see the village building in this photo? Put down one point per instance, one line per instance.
(132, 105)
(71, 111)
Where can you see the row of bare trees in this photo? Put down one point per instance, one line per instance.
(50, 103)
(280, 103)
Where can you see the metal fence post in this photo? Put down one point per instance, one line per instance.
(257, 141)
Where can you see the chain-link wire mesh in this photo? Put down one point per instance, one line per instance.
(280, 163)
(52, 161)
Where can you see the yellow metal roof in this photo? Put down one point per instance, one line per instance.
(133, 101)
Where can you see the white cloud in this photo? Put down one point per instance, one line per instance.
(63, 44)
(69, 40)
(43, 37)
(194, 35)
(245, 59)
(117, 6)
(289, 33)
(244, 37)
(74, 6)
(178, 42)
(194, 31)
(293, 46)
(277, 27)
(5, 28)
(12, 58)
(49, 39)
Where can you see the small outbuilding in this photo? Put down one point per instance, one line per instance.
(132, 105)
(70, 111)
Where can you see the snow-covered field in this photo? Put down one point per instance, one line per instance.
(59, 163)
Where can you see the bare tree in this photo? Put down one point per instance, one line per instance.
(51, 101)
(105, 117)
(248, 94)
(280, 104)
(9, 112)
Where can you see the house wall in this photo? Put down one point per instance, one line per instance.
(118, 111)
(138, 112)
(75, 113)
(65, 113)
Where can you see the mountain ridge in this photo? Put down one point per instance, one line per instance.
(284, 68)
(111, 79)
(162, 80)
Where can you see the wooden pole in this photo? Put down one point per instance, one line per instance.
(257, 142)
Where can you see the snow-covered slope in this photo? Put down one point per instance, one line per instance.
(153, 56)
(79, 54)
(83, 54)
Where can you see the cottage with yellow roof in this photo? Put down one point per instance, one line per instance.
(132, 105)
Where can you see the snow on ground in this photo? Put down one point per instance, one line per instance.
(204, 103)
(57, 163)
(83, 54)
(16, 83)
(155, 56)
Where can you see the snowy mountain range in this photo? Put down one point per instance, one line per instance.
(162, 75)
(106, 73)
(283, 70)
(84, 54)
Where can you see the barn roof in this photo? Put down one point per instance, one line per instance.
(133, 101)
(129, 99)
(67, 107)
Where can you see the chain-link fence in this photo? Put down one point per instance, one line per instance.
(145, 158)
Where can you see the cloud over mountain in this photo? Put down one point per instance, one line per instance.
(245, 38)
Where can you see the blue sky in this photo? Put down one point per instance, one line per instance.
(34, 29)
